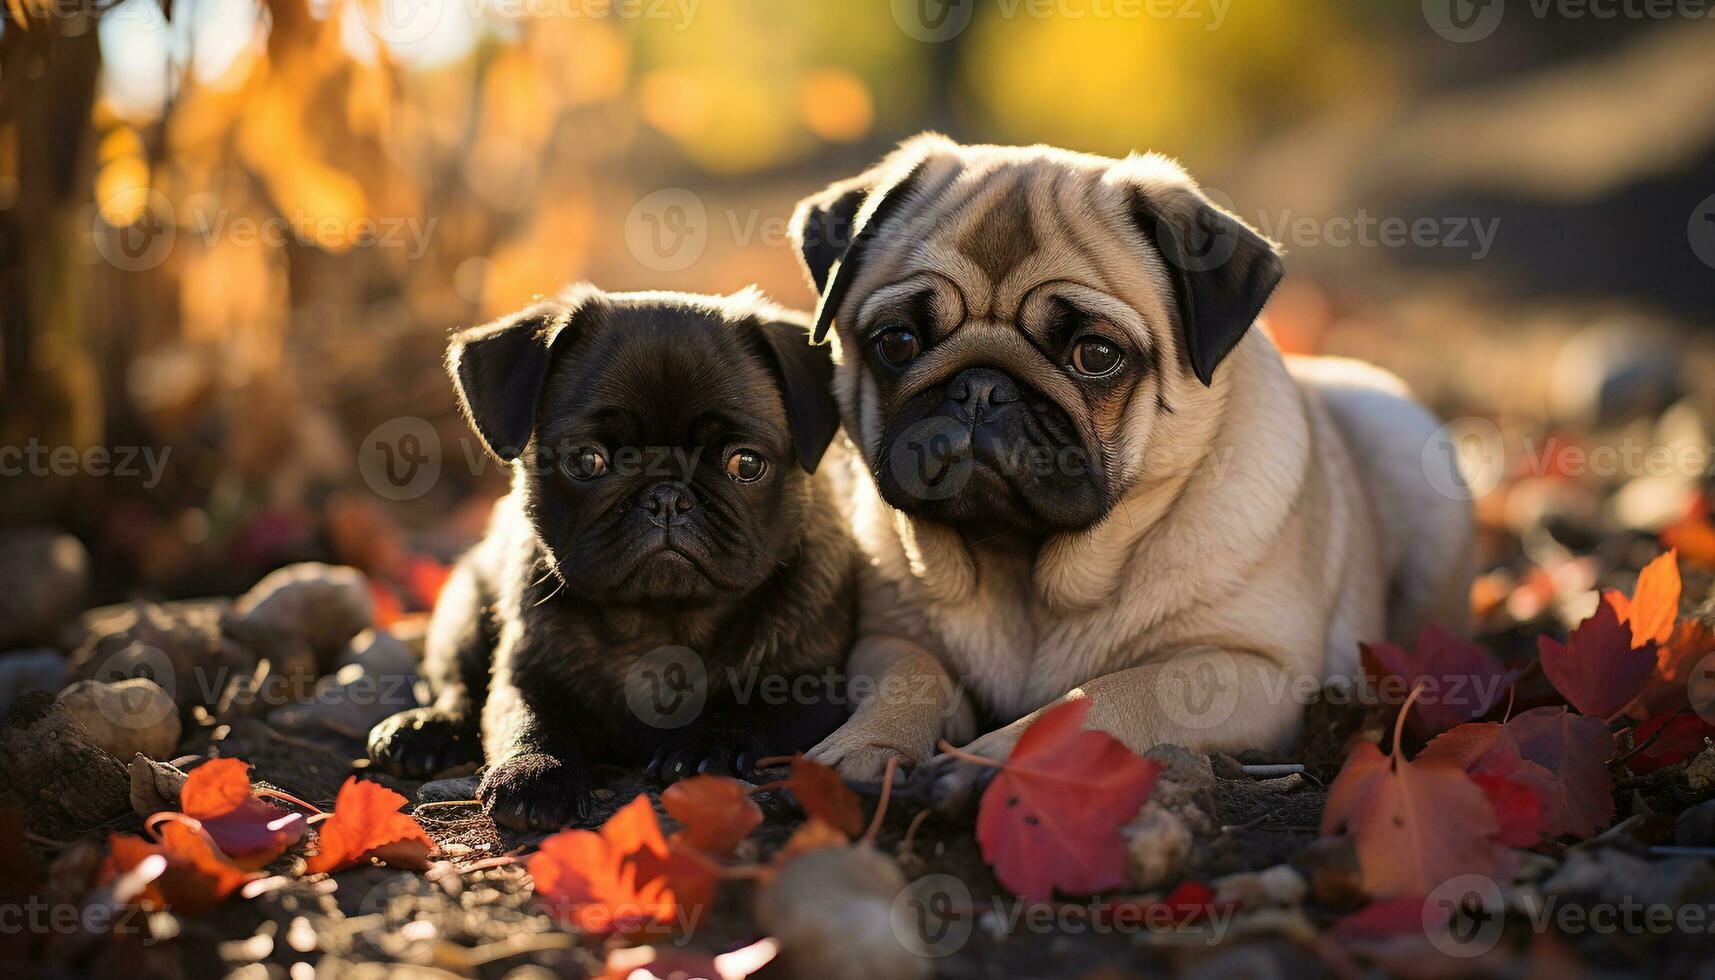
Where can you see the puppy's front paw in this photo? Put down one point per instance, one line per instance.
(535, 791)
(711, 749)
(422, 742)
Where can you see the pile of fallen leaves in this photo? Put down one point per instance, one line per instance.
(1488, 767)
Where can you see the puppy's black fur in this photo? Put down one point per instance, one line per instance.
(575, 632)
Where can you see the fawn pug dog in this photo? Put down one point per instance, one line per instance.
(665, 525)
(1083, 474)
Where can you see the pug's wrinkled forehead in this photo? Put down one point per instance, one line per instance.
(990, 235)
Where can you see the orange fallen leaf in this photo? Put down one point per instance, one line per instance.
(717, 812)
(196, 878)
(366, 823)
(1413, 824)
(1050, 819)
(250, 832)
(823, 794)
(1669, 686)
(1693, 537)
(1653, 606)
(624, 879)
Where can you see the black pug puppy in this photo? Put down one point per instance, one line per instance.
(668, 584)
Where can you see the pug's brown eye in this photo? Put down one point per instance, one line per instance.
(898, 346)
(745, 466)
(585, 463)
(1095, 357)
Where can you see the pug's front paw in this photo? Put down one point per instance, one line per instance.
(422, 742)
(860, 748)
(535, 791)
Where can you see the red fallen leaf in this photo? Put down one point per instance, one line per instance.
(1561, 756)
(623, 879)
(388, 608)
(1413, 824)
(366, 823)
(1654, 604)
(1189, 902)
(822, 793)
(1681, 736)
(1598, 670)
(1518, 808)
(196, 877)
(717, 812)
(1459, 681)
(423, 577)
(250, 832)
(1669, 686)
(1050, 819)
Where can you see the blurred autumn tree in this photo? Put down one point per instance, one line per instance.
(243, 232)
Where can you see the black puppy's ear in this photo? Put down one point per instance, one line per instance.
(498, 369)
(1222, 270)
(833, 228)
(806, 373)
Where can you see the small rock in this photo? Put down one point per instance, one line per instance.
(61, 783)
(1157, 845)
(155, 785)
(126, 718)
(1696, 826)
(1700, 773)
(325, 604)
(180, 646)
(835, 914)
(377, 678)
(1278, 887)
(446, 790)
(29, 670)
(43, 576)
(1610, 872)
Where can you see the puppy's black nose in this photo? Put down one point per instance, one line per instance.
(979, 391)
(667, 503)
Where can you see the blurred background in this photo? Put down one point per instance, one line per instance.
(234, 234)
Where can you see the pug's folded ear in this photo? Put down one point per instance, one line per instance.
(1222, 270)
(833, 228)
(499, 367)
(806, 375)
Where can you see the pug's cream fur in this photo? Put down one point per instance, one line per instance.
(1263, 523)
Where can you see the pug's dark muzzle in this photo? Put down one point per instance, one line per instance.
(984, 452)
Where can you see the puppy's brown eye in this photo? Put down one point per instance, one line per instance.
(745, 466)
(898, 346)
(1095, 357)
(586, 463)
